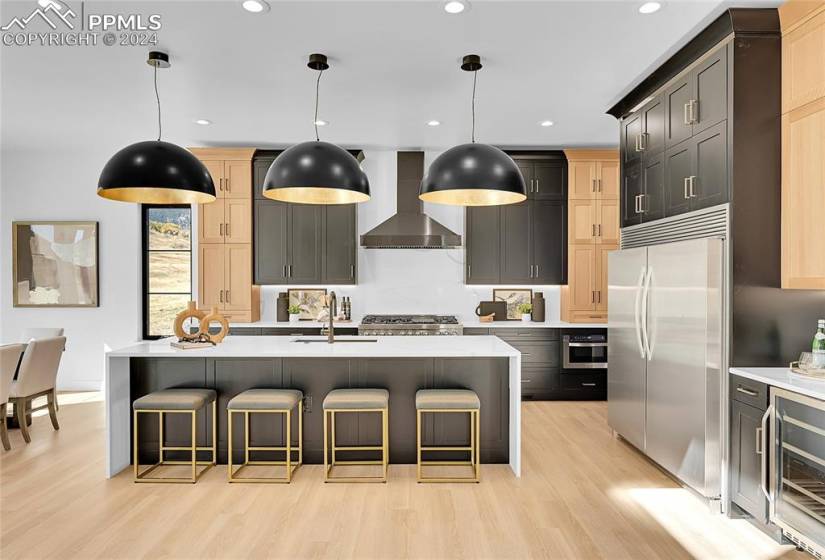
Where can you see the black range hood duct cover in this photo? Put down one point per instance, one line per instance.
(409, 227)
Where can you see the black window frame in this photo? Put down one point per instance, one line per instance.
(144, 248)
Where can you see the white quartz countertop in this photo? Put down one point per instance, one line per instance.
(476, 324)
(295, 347)
(299, 325)
(784, 378)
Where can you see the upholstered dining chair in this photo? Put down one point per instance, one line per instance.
(9, 358)
(36, 378)
(40, 332)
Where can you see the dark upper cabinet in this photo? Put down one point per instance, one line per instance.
(340, 250)
(710, 186)
(270, 242)
(301, 243)
(549, 180)
(304, 227)
(523, 243)
(631, 131)
(516, 243)
(652, 203)
(652, 140)
(678, 126)
(711, 84)
(745, 461)
(549, 253)
(632, 191)
(677, 177)
(482, 241)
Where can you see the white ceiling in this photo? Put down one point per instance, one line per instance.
(395, 65)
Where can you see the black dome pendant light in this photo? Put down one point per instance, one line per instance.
(316, 172)
(156, 172)
(473, 174)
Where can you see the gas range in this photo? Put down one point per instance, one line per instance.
(411, 325)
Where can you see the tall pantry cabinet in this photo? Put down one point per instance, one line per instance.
(593, 231)
(225, 236)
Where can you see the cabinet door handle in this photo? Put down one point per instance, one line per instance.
(228, 185)
(686, 115)
(352, 271)
(599, 293)
(592, 296)
(227, 230)
(526, 380)
(642, 141)
(592, 230)
(599, 230)
(594, 185)
(600, 184)
(687, 181)
(469, 271)
(289, 269)
(228, 300)
(220, 227)
(636, 139)
(284, 271)
(747, 392)
(588, 384)
(636, 204)
(221, 297)
(220, 183)
(537, 185)
(693, 104)
(537, 271)
(691, 184)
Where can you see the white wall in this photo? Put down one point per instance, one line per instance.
(52, 185)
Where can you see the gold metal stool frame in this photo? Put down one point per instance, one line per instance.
(287, 462)
(473, 448)
(194, 448)
(384, 447)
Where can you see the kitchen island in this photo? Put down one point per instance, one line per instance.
(401, 364)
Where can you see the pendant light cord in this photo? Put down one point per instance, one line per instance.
(157, 97)
(317, 89)
(473, 134)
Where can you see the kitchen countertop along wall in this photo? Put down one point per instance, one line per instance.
(467, 323)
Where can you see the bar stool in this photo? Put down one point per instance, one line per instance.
(267, 401)
(175, 401)
(356, 400)
(449, 401)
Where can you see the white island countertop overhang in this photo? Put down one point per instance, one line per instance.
(117, 380)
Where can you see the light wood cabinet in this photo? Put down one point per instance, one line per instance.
(593, 208)
(225, 236)
(803, 144)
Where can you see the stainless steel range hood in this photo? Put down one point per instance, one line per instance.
(410, 228)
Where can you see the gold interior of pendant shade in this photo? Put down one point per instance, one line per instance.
(473, 197)
(156, 195)
(316, 195)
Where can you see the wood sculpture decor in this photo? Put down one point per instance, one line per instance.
(201, 337)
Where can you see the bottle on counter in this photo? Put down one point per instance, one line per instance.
(818, 346)
(347, 309)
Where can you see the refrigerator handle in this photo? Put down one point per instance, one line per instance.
(645, 295)
(765, 452)
(636, 315)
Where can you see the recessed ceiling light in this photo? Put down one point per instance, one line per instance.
(320, 122)
(255, 6)
(455, 6)
(203, 122)
(546, 123)
(433, 123)
(649, 7)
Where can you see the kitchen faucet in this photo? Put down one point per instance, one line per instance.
(332, 303)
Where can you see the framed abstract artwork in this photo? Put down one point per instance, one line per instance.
(55, 264)
(513, 297)
(311, 301)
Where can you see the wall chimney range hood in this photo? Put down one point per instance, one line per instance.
(409, 227)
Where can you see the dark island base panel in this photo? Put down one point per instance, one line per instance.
(402, 377)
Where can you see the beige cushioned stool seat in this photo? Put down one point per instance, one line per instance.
(357, 398)
(175, 399)
(266, 399)
(440, 399)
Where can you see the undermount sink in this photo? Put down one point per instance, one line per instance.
(337, 341)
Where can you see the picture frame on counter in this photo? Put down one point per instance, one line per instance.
(55, 264)
(513, 297)
(311, 301)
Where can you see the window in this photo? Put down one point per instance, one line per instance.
(167, 266)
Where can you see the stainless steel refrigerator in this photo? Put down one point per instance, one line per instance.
(665, 336)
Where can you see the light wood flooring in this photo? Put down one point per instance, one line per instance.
(583, 494)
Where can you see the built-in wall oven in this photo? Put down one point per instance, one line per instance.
(583, 351)
(796, 462)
